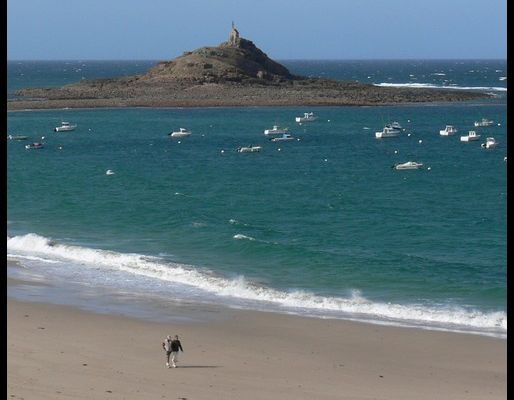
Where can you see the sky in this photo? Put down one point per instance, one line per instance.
(283, 29)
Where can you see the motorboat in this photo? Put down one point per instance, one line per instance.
(276, 130)
(307, 117)
(249, 149)
(449, 130)
(408, 165)
(182, 132)
(283, 138)
(17, 137)
(395, 125)
(35, 145)
(471, 136)
(65, 127)
(388, 131)
(490, 143)
(484, 122)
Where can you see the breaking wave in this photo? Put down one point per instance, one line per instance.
(239, 290)
(432, 86)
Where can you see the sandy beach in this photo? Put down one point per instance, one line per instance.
(60, 352)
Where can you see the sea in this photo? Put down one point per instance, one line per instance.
(319, 226)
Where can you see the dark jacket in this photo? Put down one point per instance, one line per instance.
(175, 345)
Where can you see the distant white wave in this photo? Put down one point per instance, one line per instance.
(355, 306)
(432, 86)
(502, 78)
(439, 74)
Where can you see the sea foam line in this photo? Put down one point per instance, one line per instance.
(432, 86)
(455, 317)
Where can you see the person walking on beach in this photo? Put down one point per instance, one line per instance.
(175, 347)
(166, 346)
(172, 347)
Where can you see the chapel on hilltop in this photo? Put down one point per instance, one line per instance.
(233, 38)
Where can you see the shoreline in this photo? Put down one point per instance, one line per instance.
(473, 102)
(57, 351)
(147, 308)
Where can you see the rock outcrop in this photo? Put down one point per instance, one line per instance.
(235, 73)
(244, 63)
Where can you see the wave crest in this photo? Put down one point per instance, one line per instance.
(355, 306)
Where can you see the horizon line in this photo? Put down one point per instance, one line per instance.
(281, 59)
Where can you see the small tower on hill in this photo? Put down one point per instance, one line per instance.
(233, 38)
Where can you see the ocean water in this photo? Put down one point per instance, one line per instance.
(320, 226)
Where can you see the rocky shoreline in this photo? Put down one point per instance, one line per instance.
(312, 92)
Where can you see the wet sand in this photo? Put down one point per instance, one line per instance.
(60, 352)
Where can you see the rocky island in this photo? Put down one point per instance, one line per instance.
(235, 73)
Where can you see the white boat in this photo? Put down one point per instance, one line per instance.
(180, 133)
(34, 145)
(484, 122)
(249, 149)
(388, 131)
(276, 130)
(307, 117)
(471, 136)
(283, 138)
(490, 143)
(65, 127)
(17, 137)
(409, 165)
(395, 125)
(448, 131)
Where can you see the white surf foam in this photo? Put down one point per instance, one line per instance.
(356, 306)
(432, 86)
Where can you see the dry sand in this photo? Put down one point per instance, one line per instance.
(59, 352)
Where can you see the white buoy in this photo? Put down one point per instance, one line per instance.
(408, 134)
(222, 151)
(179, 142)
(420, 141)
(408, 120)
(279, 149)
(60, 147)
(325, 160)
(328, 120)
(429, 168)
(396, 152)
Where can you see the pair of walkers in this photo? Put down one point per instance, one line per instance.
(172, 347)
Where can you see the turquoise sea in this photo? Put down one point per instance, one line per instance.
(319, 226)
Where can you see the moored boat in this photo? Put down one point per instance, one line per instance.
(388, 131)
(276, 130)
(490, 143)
(448, 131)
(249, 149)
(484, 122)
(283, 138)
(307, 117)
(471, 136)
(65, 127)
(180, 133)
(17, 137)
(408, 165)
(35, 145)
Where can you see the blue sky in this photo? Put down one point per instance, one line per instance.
(284, 29)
